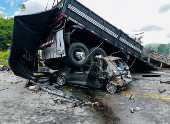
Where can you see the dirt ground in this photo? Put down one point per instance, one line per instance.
(19, 105)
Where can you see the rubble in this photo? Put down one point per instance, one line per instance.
(132, 97)
(166, 82)
(5, 67)
(136, 109)
(161, 91)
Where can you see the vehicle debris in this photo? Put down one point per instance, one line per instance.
(55, 92)
(151, 75)
(92, 104)
(161, 91)
(166, 82)
(131, 110)
(136, 109)
(72, 90)
(5, 67)
(132, 97)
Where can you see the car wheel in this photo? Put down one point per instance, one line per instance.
(77, 54)
(61, 80)
(96, 53)
(111, 88)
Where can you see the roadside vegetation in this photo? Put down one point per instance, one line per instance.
(161, 48)
(4, 57)
(5, 39)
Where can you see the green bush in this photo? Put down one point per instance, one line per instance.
(3, 57)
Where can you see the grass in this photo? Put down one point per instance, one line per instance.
(3, 57)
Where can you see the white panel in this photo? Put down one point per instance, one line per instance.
(60, 51)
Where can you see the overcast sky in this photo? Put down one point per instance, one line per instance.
(132, 16)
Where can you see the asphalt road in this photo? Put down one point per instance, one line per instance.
(19, 105)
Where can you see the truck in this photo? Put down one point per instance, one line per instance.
(70, 35)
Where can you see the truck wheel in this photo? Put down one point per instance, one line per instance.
(95, 53)
(77, 54)
(111, 88)
(61, 80)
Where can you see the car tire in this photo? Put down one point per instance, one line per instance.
(60, 80)
(73, 57)
(96, 52)
(111, 88)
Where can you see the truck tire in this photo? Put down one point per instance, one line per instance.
(77, 55)
(94, 52)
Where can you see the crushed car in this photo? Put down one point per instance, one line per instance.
(108, 73)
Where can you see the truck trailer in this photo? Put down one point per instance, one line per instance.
(69, 35)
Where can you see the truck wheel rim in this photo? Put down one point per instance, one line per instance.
(60, 80)
(111, 88)
(79, 54)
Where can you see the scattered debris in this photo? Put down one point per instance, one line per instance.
(16, 82)
(131, 110)
(132, 97)
(151, 75)
(76, 102)
(5, 67)
(55, 92)
(92, 104)
(161, 91)
(34, 88)
(60, 101)
(72, 90)
(137, 109)
(166, 82)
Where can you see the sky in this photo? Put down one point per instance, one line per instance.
(151, 18)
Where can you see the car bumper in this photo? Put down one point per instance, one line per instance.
(127, 81)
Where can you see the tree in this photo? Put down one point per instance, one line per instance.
(138, 39)
(163, 48)
(22, 7)
(153, 46)
(2, 15)
(5, 33)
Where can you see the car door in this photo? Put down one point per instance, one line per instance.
(77, 77)
(93, 76)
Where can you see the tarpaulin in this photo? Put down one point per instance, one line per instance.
(29, 32)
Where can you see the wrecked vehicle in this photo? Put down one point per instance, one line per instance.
(69, 35)
(108, 73)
